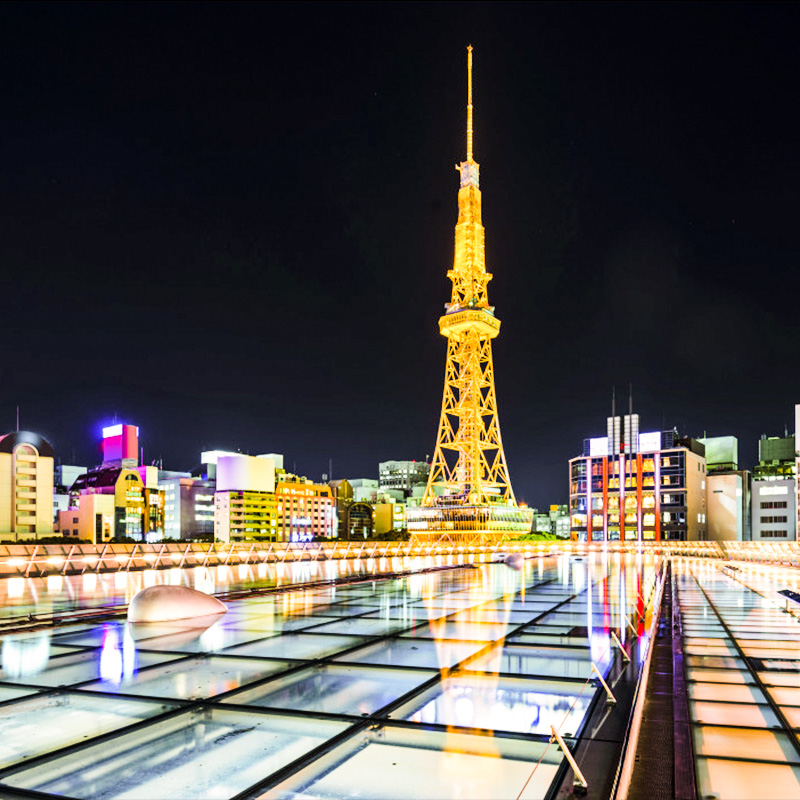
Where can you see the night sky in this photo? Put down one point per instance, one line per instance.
(230, 224)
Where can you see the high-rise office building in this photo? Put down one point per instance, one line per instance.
(630, 485)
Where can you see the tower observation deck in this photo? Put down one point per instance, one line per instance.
(469, 493)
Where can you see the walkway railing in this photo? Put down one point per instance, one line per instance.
(36, 560)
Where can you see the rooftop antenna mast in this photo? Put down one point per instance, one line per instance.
(17, 419)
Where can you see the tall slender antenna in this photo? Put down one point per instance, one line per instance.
(17, 419)
(469, 103)
(630, 399)
(613, 401)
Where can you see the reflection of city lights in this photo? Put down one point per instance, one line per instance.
(214, 638)
(55, 583)
(23, 656)
(16, 587)
(111, 663)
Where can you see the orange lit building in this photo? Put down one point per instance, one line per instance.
(305, 510)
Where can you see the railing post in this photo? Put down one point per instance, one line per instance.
(610, 699)
(30, 560)
(67, 560)
(619, 644)
(130, 558)
(100, 559)
(580, 784)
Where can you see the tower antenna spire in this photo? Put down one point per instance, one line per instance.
(469, 103)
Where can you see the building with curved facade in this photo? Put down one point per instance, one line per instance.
(26, 486)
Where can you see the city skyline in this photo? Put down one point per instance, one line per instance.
(231, 227)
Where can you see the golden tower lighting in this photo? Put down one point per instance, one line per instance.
(469, 493)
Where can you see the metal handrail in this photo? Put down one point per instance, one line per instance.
(39, 560)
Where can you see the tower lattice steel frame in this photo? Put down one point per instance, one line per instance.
(469, 491)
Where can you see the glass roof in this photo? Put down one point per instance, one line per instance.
(742, 652)
(391, 687)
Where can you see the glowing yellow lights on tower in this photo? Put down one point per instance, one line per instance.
(468, 491)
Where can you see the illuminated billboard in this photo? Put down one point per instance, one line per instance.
(245, 474)
(120, 442)
(598, 447)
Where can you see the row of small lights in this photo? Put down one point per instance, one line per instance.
(150, 557)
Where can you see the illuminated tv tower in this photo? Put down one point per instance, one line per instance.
(468, 491)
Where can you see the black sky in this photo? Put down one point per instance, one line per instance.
(230, 224)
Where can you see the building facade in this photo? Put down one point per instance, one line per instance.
(240, 515)
(244, 501)
(403, 475)
(774, 514)
(26, 486)
(774, 495)
(188, 507)
(638, 486)
(728, 490)
(93, 520)
(131, 506)
(305, 510)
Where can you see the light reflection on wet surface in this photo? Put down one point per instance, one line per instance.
(278, 675)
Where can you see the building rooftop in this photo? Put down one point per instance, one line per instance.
(437, 684)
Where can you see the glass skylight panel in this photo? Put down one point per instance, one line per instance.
(406, 764)
(109, 664)
(719, 675)
(402, 652)
(297, 645)
(522, 660)
(733, 693)
(334, 689)
(193, 678)
(744, 743)
(445, 629)
(212, 753)
(718, 777)
(44, 722)
(503, 704)
(362, 626)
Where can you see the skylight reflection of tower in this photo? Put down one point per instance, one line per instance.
(468, 490)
